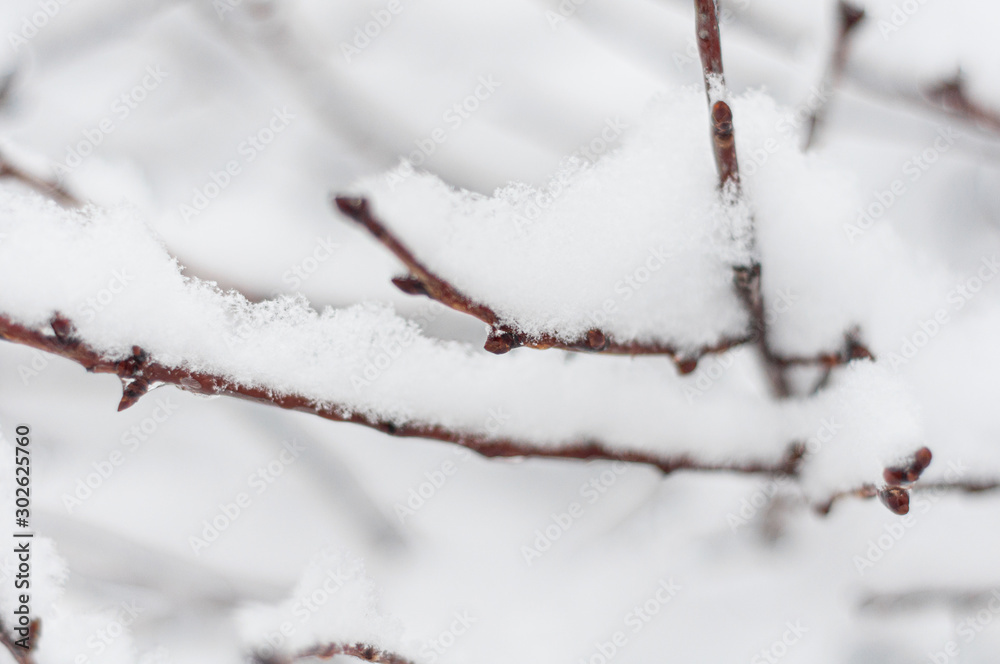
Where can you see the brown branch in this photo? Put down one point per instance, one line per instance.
(46, 187)
(709, 43)
(849, 17)
(139, 371)
(901, 480)
(503, 336)
(915, 599)
(358, 650)
(724, 145)
(21, 655)
(952, 97)
(746, 278)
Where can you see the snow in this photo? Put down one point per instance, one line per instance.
(602, 124)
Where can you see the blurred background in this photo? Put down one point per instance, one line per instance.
(153, 101)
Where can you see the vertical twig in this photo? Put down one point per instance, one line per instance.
(746, 278)
(849, 16)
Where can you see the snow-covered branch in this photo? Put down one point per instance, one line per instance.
(20, 655)
(358, 650)
(505, 336)
(141, 371)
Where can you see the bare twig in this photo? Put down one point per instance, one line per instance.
(849, 17)
(709, 44)
(952, 97)
(358, 650)
(43, 186)
(139, 371)
(746, 278)
(902, 479)
(21, 655)
(504, 336)
(916, 599)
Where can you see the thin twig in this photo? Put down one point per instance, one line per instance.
(21, 655)
(849, 17)
(505, 336)
(361, 651)
(916, 599)
(952, 96)
(746, 277)
(140, 371)
(896, 498)
(43, 186)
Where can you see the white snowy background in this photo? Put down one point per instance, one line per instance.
(592, 110)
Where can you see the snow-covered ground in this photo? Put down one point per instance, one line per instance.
(551, 160)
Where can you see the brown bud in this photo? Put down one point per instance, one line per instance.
(686, 365)
(894, 475)
(850, 15)
(62, 328)
(896, 499)
(352, 206)
(132, 392)
(596, 340)
(499, 341)
(922, 459)
(722, 119)
(409, 285)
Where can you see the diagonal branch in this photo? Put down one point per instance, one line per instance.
(21, 655)
(952, 97)
(140, 371)
(360, 651)
(50, 188)
(504, 337)
(849, 18)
